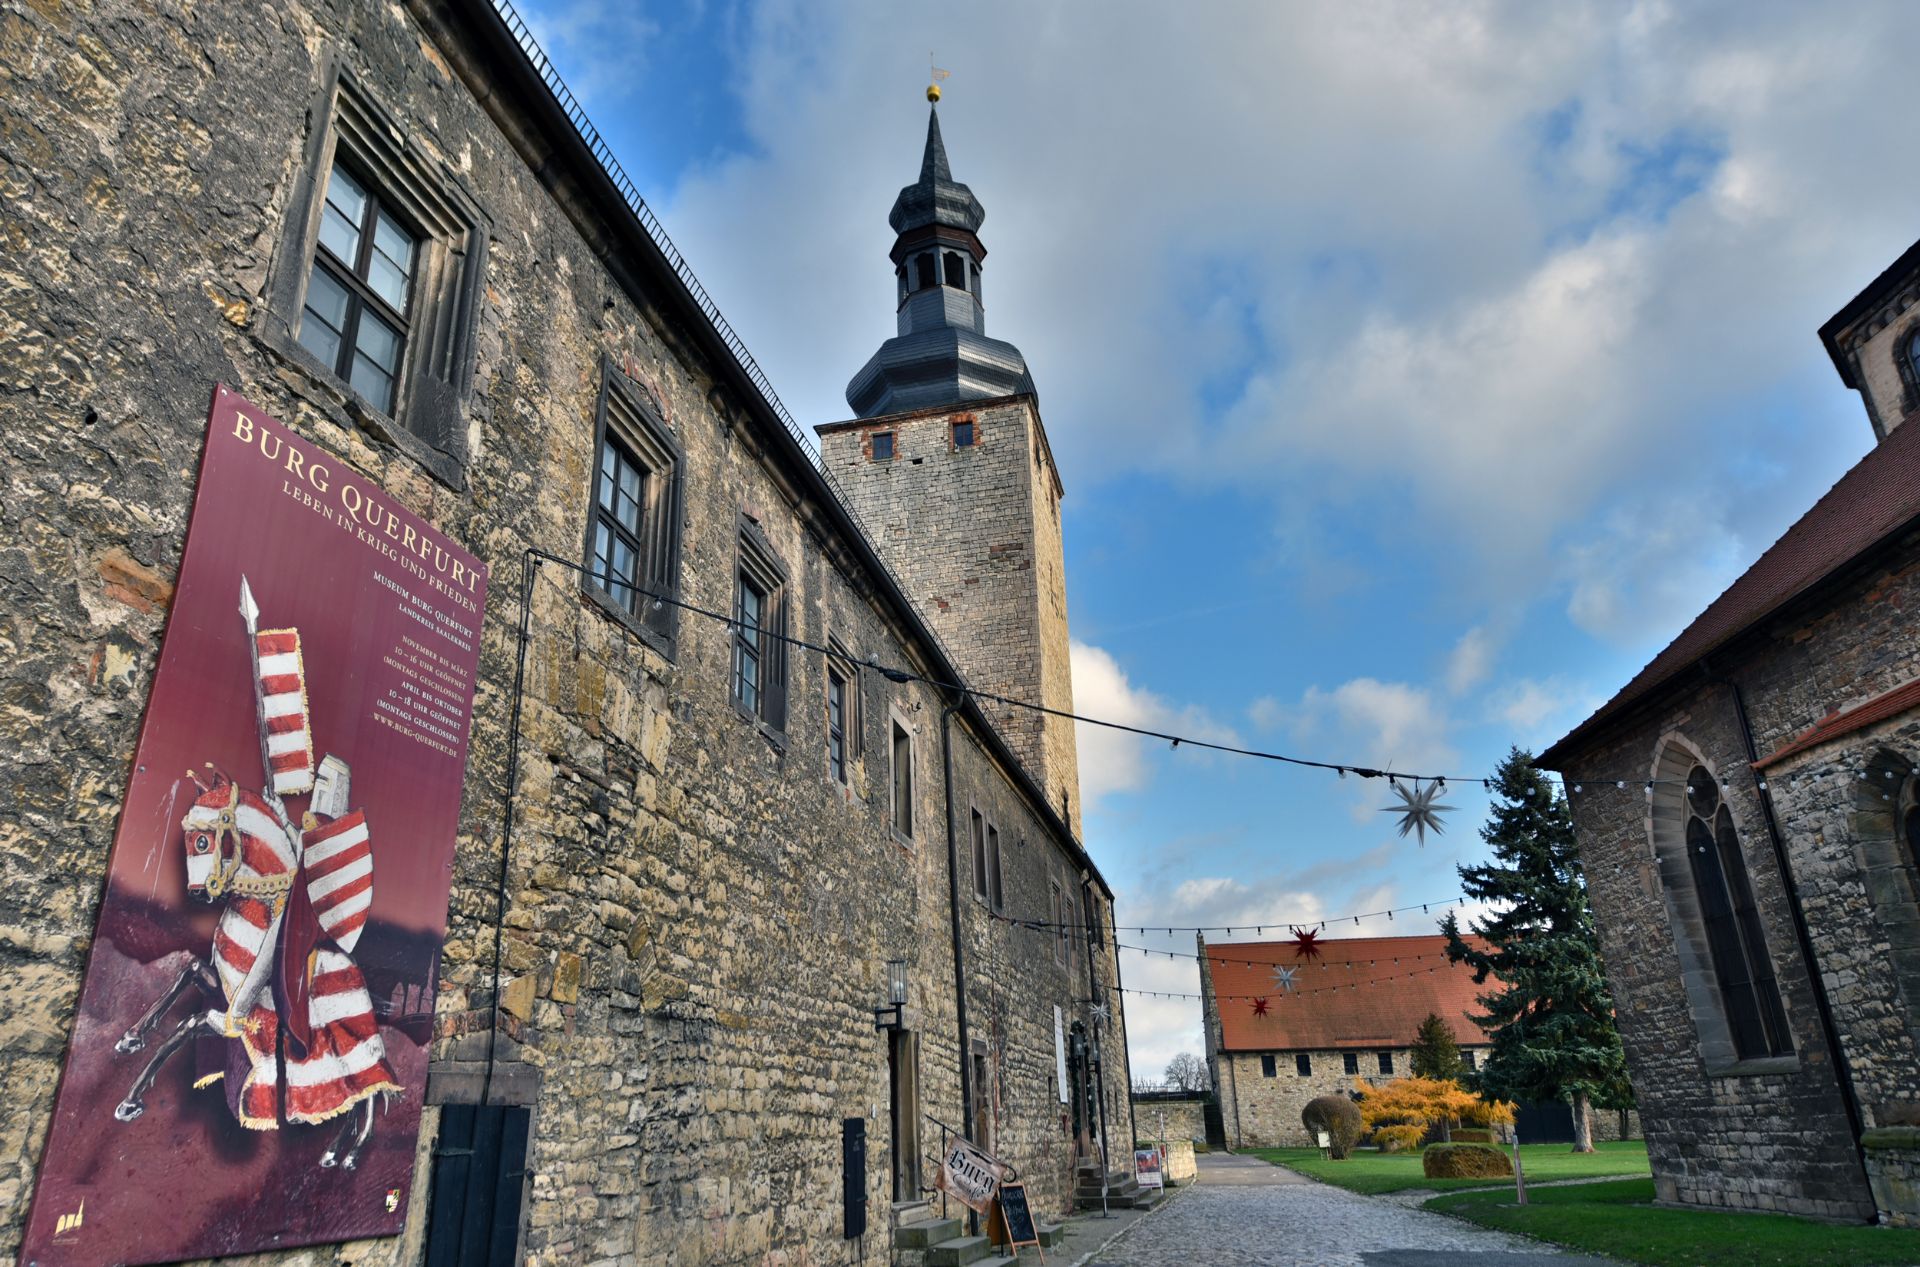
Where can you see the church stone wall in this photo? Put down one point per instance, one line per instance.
(1775, 1137)
(696, 917)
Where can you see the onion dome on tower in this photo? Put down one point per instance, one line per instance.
(942, 355)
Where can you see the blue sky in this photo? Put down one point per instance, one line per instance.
(1415, 372)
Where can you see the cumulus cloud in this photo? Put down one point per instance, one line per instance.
(1113, 761)
(1470, 661)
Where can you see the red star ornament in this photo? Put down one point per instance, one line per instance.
(1260, 1006)
(1306, 943)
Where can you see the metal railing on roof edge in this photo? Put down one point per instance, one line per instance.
(603, 154)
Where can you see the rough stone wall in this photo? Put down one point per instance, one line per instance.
(696, 916)
(1171, 1119)
(1770, 1137)
(1269, 1108)
(974, 533)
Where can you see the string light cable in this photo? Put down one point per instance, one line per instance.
(1259, 930)
(1577, 785)
(1279, 995)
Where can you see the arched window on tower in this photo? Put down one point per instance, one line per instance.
(901, 273)
(926, 271)
(973, 271)
(1912, 353)
(1726, 968)
(956, 271)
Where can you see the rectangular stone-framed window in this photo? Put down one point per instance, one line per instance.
(1386, 1063)
(759, 626)
(1303, 1065)
(377, 282)
(996, 886)
(900, 781)
(1350, 1063)
(964, 432)
(840, 704)
(977, 837)
(880, 446)
(632, 548)
(1269, 1065)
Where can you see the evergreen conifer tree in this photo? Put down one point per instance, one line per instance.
(1435, 1052)
(1552, 1016)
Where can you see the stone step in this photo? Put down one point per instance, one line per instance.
(959, 1251)
(1051, 1234)
(925, 1233)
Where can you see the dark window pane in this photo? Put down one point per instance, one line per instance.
(1267, 1067)
(372, 382)
(379, 343)
(324, 318)
(1702, 794)
(608, 476)
(962, 435)
(1303, 1065)
(1759, 965)
(1350, 1062)
(1386, 1062)
(1723, 941)
(902, 781)
(882, 445)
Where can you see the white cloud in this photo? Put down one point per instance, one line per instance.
(1112, 761)
(1379, 724)
(1471, 660)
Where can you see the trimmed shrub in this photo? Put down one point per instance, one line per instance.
(1469, 1135)
(1464, 1161)
(1338, 1117)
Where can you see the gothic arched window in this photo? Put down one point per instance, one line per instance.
(1912, 354)
(1735, 940)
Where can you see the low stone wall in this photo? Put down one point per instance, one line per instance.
(1170, 1119)
(1606, 1125)
(1179, 1166)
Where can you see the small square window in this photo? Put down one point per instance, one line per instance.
(1303, 1065)
(1386, 1062)
(963, 435)
(1351, 1061)
(882, 445)
(1268, 1066)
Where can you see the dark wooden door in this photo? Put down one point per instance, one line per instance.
(479, 1176)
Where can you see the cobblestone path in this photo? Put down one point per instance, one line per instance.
(1237, 1216)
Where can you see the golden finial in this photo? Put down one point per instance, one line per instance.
(933, 92)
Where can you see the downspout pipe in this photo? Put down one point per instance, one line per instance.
(1823, 1007)
(959, 952)
(1099, 1059)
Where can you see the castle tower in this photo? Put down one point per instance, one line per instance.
(949, 471)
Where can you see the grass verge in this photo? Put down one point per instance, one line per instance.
(1617, 1218)
(1370, 1172)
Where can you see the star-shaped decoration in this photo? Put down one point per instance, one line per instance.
(1100, 1014)
(1260, 1006)
(1418, 810)
(1283, 977)
(1306, 943)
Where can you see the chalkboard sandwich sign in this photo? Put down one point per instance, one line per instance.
(1017, 1217)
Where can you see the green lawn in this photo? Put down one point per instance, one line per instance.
(1392, 1172)
(1617, 1218)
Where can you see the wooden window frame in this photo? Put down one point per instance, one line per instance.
(900, 816)
(628, 420)
(428, 419)
(758, 567)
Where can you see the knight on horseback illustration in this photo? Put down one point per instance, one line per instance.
(284, 1021)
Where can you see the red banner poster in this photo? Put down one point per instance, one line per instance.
(248, 1061)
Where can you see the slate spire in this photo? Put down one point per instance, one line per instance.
(941, 355)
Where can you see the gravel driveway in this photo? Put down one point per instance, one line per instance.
(1244, 1212)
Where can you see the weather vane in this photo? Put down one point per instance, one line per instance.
(938, 76)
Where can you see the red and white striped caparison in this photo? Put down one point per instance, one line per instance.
(283, 703)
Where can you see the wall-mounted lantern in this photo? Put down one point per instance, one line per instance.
(893, 1014)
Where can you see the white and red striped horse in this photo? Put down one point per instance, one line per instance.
(301, 1043)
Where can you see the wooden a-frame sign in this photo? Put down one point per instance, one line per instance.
(1017, 1217)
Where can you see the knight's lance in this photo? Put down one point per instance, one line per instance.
(250, 611)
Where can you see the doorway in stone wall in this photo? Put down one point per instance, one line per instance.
(982, 1099)
(903, 1058)
(1080, 1084)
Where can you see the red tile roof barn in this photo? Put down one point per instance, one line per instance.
(1385, 1010)
(1878, 500)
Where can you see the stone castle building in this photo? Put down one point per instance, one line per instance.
(1353, 1013)
(717, 849)
(1749, 816)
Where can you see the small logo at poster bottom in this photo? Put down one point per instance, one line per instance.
(69, 1224)
(393, 1200)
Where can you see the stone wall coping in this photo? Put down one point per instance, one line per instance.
(1883, 1138)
